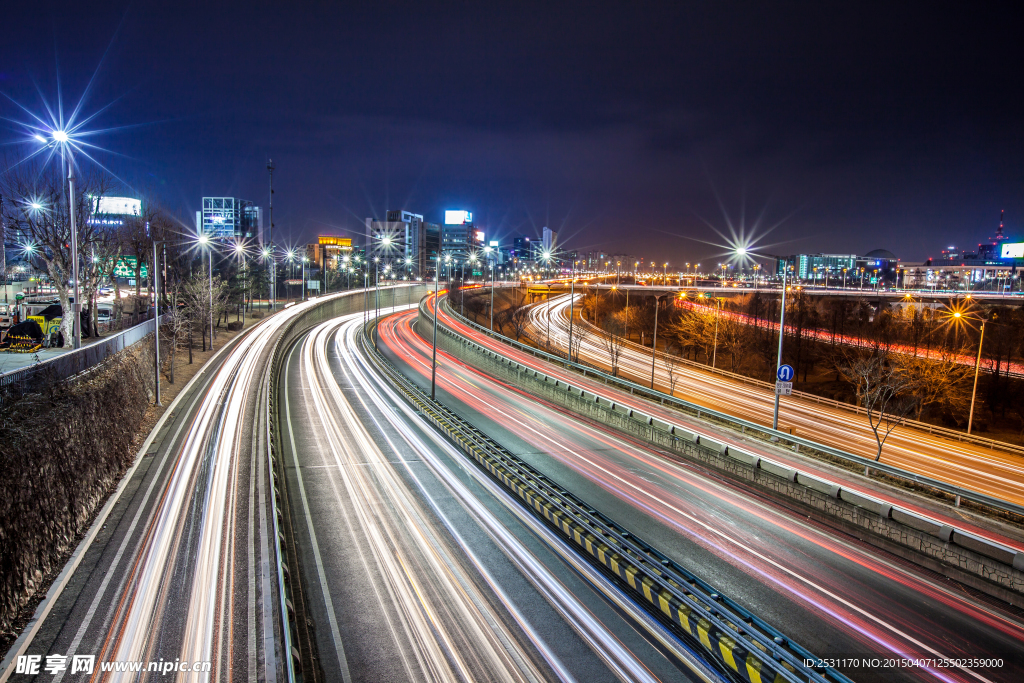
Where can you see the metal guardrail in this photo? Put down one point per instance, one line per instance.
(747, 427)
(74, 362)
(739, 641)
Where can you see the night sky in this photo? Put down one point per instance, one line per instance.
(857, 125)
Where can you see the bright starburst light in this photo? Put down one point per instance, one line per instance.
(55, 131)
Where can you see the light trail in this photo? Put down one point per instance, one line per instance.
(437, 618)
(840, 590)
(997, 474)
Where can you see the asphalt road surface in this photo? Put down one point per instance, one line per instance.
(832, 594)
(995, 473)
(415, 566)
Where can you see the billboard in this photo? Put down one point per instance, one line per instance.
(457, 217)
(1013, 250)
(121, 206)
(479, 235)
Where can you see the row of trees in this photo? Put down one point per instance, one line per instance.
(909, 360)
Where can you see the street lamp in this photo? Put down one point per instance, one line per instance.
(156, 325)
(958, 316)
(718, 313)
(305, 259)
(61, 138)
(487, 252)
(433, 357)
(205, 243)
(546, 257)
(654, 344)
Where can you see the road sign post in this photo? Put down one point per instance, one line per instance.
(783, 387)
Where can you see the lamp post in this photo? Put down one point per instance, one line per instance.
(654, 345)
(572, 304)
(487, 251)
(782, 332)
(156, 325)
(433, 356)
(547, 306)
(204, 240)
(977, 365)
(718, 312)
(60, 138)
(376, 294)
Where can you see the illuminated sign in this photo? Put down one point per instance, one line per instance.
(122, 206)
(126, 268)
(1013, 250)
(457, 217)
(479, 235)
(494, 243)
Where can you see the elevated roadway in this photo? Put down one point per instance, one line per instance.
(414, 568)
(996, 473)
(827, 591)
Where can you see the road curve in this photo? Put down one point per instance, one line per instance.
(423, 574)
(833, 594)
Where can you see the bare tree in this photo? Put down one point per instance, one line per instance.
(938, 380)
(195, 295)
(517, 317)
(98, 269)
(882, 388)
(672, 363)
(37, 215)
(612, 341)
(694, 329)
(595, 307)
(580, 333)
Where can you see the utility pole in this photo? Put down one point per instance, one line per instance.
(572, 305)
(433, 358)
(654, 346)
(273, 265)
(977, 364)
(156, 324)
(782, 332)
(76, 306)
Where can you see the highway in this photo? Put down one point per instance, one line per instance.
(995, 473)
(834, 595)
(414, 565)
(942, 513)
(183, 567)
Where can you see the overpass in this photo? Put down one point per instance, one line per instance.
(734, 290)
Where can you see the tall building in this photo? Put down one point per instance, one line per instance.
(252, 222)
(457, 233)
(229, 218)
(550, 240)
(408, 239)
(328, 251)
(431, 247)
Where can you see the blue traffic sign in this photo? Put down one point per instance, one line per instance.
(785, 373)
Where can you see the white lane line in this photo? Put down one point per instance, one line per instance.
(43, 610)
(339, 648)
